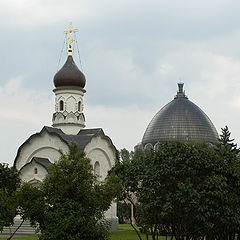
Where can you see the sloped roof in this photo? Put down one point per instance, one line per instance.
(81, 139)
(44, 162)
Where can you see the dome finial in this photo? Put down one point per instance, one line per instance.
(181, 92)
(180, 87)
(70, 38)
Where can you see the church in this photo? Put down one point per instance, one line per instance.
(41, 149)
(179, 120)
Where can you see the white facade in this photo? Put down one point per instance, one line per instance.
(47, 144)
(42, 149)
(41, 145)
(68, 114)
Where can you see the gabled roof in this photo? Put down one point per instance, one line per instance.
(44, 162)
(82, 138)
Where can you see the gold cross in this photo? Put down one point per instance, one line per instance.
(70, 38)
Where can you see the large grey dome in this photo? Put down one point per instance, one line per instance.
(180, 120)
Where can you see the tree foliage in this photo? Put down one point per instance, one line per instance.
(9, 182)
(70, 203)
(225, 143)
(186, 190)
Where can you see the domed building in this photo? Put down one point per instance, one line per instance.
(179, 120)
(41, 149)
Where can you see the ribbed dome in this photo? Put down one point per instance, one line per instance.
(180, 120)
(69, 75)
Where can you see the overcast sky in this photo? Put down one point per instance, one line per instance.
(133, 53)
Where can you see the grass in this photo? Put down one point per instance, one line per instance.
(28, 237)
(125, 233)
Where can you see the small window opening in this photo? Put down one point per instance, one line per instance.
(35, 170)
(96, 169)
(79, 106)
(61, 105)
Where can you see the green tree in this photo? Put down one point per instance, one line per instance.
(71, 202)
(128, 172)
(187, 184)
(9, 182)
(186, 190)
(225, 142)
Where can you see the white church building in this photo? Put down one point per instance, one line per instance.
(41, 149)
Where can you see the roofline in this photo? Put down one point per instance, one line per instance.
(107, 138)
(36, 162)
(45, 128)
(31, 137)
(70, 87)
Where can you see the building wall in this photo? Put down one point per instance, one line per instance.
(28, 174)
(101, 150)
(41, 145)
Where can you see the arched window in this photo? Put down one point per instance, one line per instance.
(157, 146)
(79, 106)
(35, 171)
(148, 146)
(61, 105)
(96, 169)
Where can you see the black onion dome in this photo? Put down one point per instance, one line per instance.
(69, 75)
(180, 120)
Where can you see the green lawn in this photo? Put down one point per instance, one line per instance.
(125, 233)
(29, 237)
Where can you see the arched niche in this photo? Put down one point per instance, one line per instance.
(148, 146)
(71, 104)
(157, 146)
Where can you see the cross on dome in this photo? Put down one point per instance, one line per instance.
(70, 38)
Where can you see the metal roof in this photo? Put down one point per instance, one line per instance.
(81, 139)
(180, 120)
(69, 75)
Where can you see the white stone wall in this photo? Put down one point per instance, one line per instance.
(70, 119)
(101, 150)
(41, 145)
(70, 97)
(28, 173)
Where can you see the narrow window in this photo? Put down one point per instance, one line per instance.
(61, 105)
(79, 106)
(97, 169)
(35, 170)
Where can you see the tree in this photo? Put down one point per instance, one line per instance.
(186, 190)
(128, 171)
(187, 184)
(225, 142)
(71, 202)
(9, 182)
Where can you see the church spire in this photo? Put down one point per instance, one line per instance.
(69, 82)
(70, 38)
